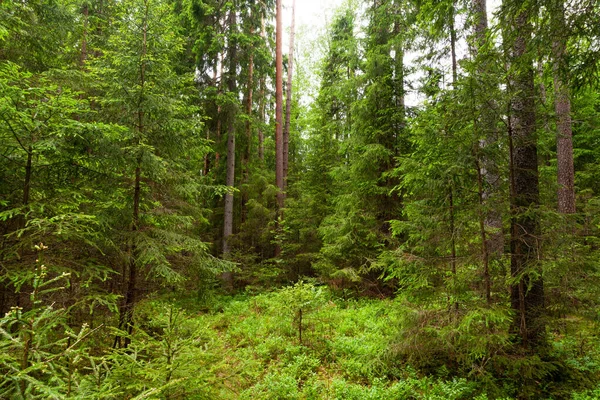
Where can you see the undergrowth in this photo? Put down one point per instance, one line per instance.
(299, 342)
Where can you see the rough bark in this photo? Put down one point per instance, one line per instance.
(562, 106)
(288, 102)
(527, 290)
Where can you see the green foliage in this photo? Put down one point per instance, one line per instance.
(42, 356)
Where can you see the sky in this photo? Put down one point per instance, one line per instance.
(312, 17)
(311, 13)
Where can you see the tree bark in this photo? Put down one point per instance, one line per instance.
(279, 107)
(492, 237)
(249, 102)
(527, 290)
(562, 105)
(288, 102)
(230, 179)
(261, 111)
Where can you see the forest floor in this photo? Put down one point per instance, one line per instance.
(262, 346)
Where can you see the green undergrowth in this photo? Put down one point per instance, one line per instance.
(260, 348)
(298, 342)
(263, 347)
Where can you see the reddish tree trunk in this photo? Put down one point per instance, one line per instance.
(261, 111)
(288, 103)
(562, 105)
(279, 107)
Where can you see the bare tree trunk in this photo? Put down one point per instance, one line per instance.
(248, 149)
(451, 185)
(207, 165)
(230, 179)
(527, 293)
(288, 102)
(562, 105)
(83, 54)
(279, 107)
(220, 112)
(261, 111)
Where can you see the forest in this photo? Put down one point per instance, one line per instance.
(199, 202)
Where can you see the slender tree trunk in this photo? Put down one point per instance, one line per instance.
(453, 47)
(562, 105)
(126, 314)
(207, 165)
(83, 54)
(130, 297)
(279, 107)
(261, 111)
(249, 100)
(219, 112)
(453, 247)
(28, 170)
(488, 169)
(527, 291)
(279, 179)
(451, 185)
(484, 241)
(230, 180)
(288, 102)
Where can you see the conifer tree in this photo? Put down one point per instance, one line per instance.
(527, 287)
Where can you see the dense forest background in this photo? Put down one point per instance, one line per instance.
(407, 209)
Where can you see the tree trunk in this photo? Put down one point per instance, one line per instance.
(126, 312)
(261, 111)
(279, 107)
(230, 179)
(491, 235)
(453, 47)
(279, 118)
(562, 105)
(527, 291)
(288, 103)
(248, 149)
(83, 54)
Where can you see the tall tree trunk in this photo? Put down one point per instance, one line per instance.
(279, 106)
(279, 118)
(453, 47)
(288, 102)
(562, 105)
(220, 111)
(261, 107)
(130, 293)
(492, 236)
(83, 54)
(527, 291)
(248, 149)
(126, 312)
(230, 180)
(214, 83)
